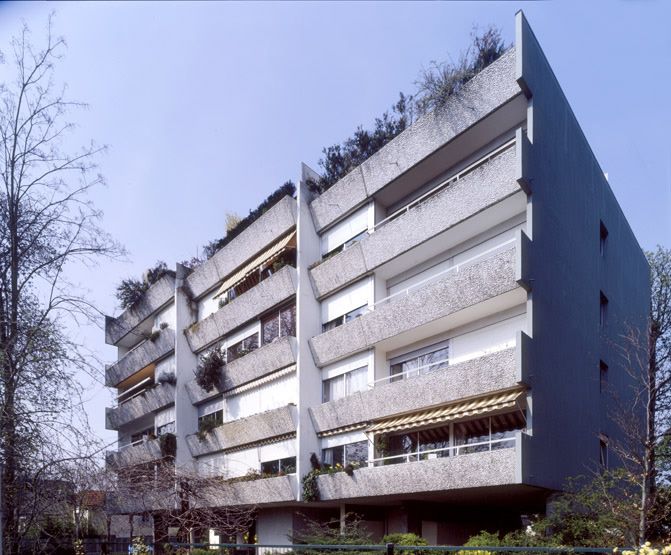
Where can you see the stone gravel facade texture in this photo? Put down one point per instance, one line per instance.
(151, 400)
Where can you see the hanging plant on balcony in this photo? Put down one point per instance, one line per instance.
(168, 445)
(208, 372)
(167, 377)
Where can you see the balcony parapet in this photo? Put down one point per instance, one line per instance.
(451, 293)
(270, 292)
(276, 222)
(492, 372)
(265, 426)
(156, 297)
(488, 90)
(255, 365)
(147, 451)
(262, 491)
(474, 470)
(483, 187)
(150, 400)
(140, 357)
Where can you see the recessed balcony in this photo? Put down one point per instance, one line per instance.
(459, 295)
(150, 400)
(141, 356)
(269, 293)
(462, 197)
(145, 451)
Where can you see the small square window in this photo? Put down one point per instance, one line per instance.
(603, 376)
(603, 235)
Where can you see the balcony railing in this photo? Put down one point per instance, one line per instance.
(412, 373)
(443, 184)
(452, 451)
(452, 269)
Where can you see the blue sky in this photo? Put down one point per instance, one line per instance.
(208, 107)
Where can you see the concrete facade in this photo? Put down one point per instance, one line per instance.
(436, 341)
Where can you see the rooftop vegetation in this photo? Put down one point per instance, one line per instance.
(131, 290)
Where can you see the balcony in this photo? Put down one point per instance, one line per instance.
(433, 143)
(150, 400)
(478, 376)
(269, 425)
(463, 293)
(270, 292)
(255, 365)
(264, 491)
(487, 182)
(140, 357)
(146, 451)
(156, 297)
(276, 222)
(442, 474)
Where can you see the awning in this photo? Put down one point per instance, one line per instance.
(453, 411)
(254, 264)
(264, 380)
(342, 430)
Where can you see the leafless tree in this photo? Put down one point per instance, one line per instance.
(47, 225)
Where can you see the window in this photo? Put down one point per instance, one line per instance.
(603, 311)
(603, 376)
(603, 451)
(340, 320)
(242, 347)
(211, 420)
(345, 384)
(279, 324)
(139, 437)
(168, 428)
(603, 234)
(279, 466)
(418, 363)
(351, 453)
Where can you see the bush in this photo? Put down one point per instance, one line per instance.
(131, 290)
(167, 377)
(213, 246)
(208, 372)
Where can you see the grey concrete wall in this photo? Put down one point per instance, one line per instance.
(487, 91)
(262, 233)
(484, 187)
(270, 292)
(145, 452)
(453, 292)
(151, 400)
(252, 429)
(141, 356)
(255, 365)
(158, 295)
(482, 375)
(569, 196)
(475, 470)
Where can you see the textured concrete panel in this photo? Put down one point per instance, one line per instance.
(270, 292)
(142, 355)
(158, 295)
(259, 363)
(145, 452)
(264, 491)
(476, 191)
(263, 232)
(259, 427)
(492, 468)
(488, 90)
(151, 400)
(474, 377)
(453, 292)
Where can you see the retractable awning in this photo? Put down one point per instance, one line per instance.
(264, 380)
(453, 411)
(265, 256)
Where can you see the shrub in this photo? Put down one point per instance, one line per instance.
(236, 229)
(167, 377)
(205, 427)
(405, 539)
(131, 290)
(208, 370)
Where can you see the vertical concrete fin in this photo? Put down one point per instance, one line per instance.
(523, 262)
(523, 357)
(521, 28)
(522, 162)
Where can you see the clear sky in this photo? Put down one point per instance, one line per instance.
(208, 107)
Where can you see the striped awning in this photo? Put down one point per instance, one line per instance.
(263, 380)
(254, 264)
(453, 411)
(343, 429)
(261, 442)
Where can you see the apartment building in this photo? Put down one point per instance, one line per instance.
(440, 328)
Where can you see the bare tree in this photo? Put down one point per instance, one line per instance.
(47, 224)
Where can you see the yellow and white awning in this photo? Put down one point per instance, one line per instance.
(453, 411)
(266, 256)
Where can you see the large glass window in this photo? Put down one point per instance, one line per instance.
(279, 466)
(279, 324)
(352, 453)
(423, 363)
(340, 320)
(345, 384)
(242, 347)
(211, 420)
